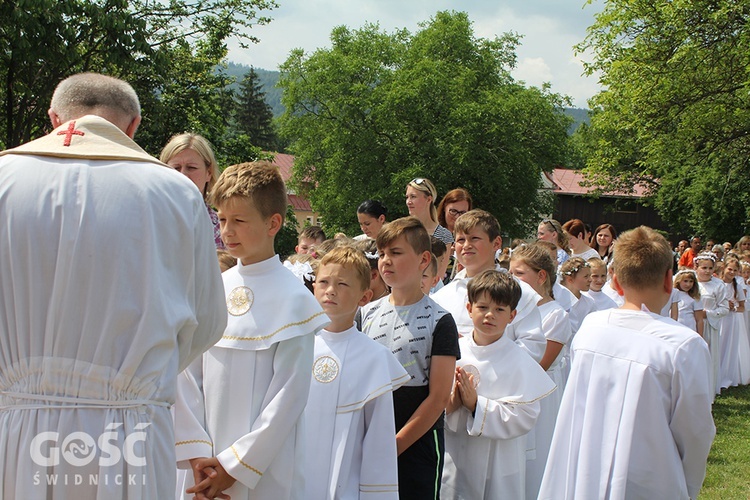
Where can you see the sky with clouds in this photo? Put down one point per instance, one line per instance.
(549, 28)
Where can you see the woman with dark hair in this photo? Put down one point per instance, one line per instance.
(455, 203)
(420, 201)
(603, 241)
(371, 215)
(576, 230)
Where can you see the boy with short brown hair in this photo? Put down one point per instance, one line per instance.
(309, 238)
(477, 240)
(635, 419)
(495, 400)
(237, 412)
(424, 339)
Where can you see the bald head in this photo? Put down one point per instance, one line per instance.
(96, 94)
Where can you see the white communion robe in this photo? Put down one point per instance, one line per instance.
(109, 287)
(635, 420)
(526, 328)
(243, 400)
(485, 454)
(351, 432)
(556, 327)
(734, 368)
(602, 301)
(715, 306)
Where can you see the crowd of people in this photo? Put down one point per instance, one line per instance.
(419, 359)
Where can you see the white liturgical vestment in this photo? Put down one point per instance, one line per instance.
(485, 453)
(526, 328)
(109, 286)
(635, 420)
(351, 432)
(715, 306)
(243, 401)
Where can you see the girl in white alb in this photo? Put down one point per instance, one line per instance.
(534, 265)
(735, 351)
(689, 305)
(715, 307)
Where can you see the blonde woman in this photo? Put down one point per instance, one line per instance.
(551, 230)
(420, 201)
(192, 155)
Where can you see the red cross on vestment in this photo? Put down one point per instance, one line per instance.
(70, 133)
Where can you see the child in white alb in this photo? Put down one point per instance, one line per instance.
(495, 400)
(350, 430)
(602, 301)
(535, 265)
(689, 305)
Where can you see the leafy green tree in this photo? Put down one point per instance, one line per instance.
(168, 51)
(675, 112)
(378, 109)
(253, 116)
(288, 235)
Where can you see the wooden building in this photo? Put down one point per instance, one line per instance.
(621, 210)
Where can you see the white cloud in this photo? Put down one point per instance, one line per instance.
(533, 70)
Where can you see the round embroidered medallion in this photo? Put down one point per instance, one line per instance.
(325, 369)
(240, 300)
(474, 372)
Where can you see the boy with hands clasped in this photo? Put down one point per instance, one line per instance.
(239, 407)
(495, 398)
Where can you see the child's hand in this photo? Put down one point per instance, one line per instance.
(210, 479)
(465, 385)
(454, 403)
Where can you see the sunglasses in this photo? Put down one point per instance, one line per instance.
(417, 180)
(552, 224)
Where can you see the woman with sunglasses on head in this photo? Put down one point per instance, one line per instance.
(454, 204)
(551, 230)
(420, 201)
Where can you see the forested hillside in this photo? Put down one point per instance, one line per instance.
(268, 80)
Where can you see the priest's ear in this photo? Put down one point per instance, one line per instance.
(54, 118)
(132, 127)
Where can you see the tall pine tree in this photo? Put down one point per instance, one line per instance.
(253, 116)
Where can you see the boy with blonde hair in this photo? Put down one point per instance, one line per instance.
(477, 240)
(635, 419)
(238, 409)
(423, 337)
(495, 400)
(351, 437)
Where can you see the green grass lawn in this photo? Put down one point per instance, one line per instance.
(728, 471)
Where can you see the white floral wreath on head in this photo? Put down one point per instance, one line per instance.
(706, 256)
(576, 269)
(302, 270)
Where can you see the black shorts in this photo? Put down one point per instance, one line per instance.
(420, 467)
